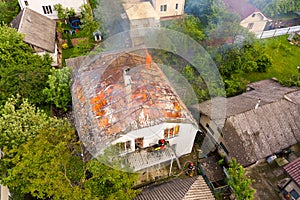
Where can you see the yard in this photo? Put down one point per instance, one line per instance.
(285, 59)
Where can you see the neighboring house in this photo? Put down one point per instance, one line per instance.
(140, 15)
(46, 7)
(125, 100)
(178, 189)
(39, 31)
(168, 8)
(258, 123)
(291, 187)
(251, 17)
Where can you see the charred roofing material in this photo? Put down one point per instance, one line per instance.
(106, 105)
(39, 30)
(178, 189)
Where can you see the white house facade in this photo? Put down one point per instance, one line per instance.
(168, 8)
(46, 7)
(256, 22)
(125, 100)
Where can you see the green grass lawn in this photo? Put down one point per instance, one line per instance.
(284, 56)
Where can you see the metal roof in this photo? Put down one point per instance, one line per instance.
(293, 169)
(178, 189)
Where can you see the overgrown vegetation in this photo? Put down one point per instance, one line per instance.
(58, 90)
(272, 8)
(9, 10)
(43, 159)
(22, 72)
(238, 181)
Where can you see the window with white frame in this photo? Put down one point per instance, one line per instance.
(124, 146)
(171, 132)
(163, 8)
(47, 9)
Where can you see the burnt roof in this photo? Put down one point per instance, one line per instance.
(241, 7)
(178, 189)
(119, 93)
(293, 170)
(39, 30)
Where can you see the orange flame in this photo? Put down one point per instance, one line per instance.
(148, 59)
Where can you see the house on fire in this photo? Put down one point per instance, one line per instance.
(124, 99)
(258, 123)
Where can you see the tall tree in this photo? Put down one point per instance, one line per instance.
(46, 162)
(58, 90)
(21, 71)
(9, 10)
(272, 8)
(238, 181)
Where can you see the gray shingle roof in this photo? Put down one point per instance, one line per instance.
(252, 134)
(39, 30)
(258, 133)
(178, 189)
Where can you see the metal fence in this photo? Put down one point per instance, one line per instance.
(277, 32)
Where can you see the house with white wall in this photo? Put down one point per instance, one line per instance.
(46, 7)
(125, 100)
(39, 32)
(168, 8)
(250, 16)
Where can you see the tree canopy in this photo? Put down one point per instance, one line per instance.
(272, 8)
(58, 90)
(43, 158)
(239, 182)
(21, 71)
(9, 10)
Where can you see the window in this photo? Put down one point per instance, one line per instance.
(250, 25)
(171, 132)
(253, 15)
(176, 6)
(163, 8)
(26, 3)
(47, 9)
(124, 146)
(139, 143)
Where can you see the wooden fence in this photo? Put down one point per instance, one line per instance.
(277, 32)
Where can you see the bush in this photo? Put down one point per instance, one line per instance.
(65, 46)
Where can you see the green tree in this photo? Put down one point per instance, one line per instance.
(275, 7)
(61, 11)
(190, 26)
(48, 163)
(238, 181)
(21, 71)
(9, 10)
(58, 90)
